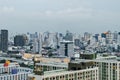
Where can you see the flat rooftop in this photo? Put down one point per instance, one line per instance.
(53, 64)
(106, 61)
(80, 60)
(8, 74)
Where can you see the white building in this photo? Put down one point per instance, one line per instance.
(14, 72)
(109, 37)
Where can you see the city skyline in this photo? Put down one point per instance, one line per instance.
(77, 16)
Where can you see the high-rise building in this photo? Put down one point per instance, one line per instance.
(77, 42)
(119, 38)
(87, 36)
(68, 36)
(103, 35)
(109, 37)
(108, 69)
(96, 37)
(85, 74)
(37, 44)
(67, 48)
(115, 36)
(4, 40)
(20, 40)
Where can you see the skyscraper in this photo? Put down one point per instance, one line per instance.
(67, 48)
(4, 40)
(20, 40)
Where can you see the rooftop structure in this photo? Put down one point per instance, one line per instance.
(53, 64)
(49, 66)
(88, 56)
(80, 64)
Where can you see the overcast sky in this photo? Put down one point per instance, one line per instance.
(78, 16)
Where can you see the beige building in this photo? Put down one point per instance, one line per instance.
(85, 74)
(108, 69)
(40, 58)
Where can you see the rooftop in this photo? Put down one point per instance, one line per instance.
(80, 60)
(53, 64)
(96, 60)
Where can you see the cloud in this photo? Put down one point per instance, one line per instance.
(68, 12)
(49, 13)
(75, 12)
(6, 9)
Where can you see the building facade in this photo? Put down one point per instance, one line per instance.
(14, 72)
(108, 69)
(67, 48)
(20, 40)
(86, 74)
(4, 40)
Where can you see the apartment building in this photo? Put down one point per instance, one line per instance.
(85, 74)
(108, 69)
(14, 72)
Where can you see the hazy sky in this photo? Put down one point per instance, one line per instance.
(60, 15)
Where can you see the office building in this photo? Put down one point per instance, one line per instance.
(87, 36)
(77, 42)
(67, 48)
(68, 36)
(4, 40)
(20, 40)
(37, 44)
(118, 38)
(109, 37)
(115, 36)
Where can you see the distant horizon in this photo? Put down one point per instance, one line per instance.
(20, 33)
(77, 16)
